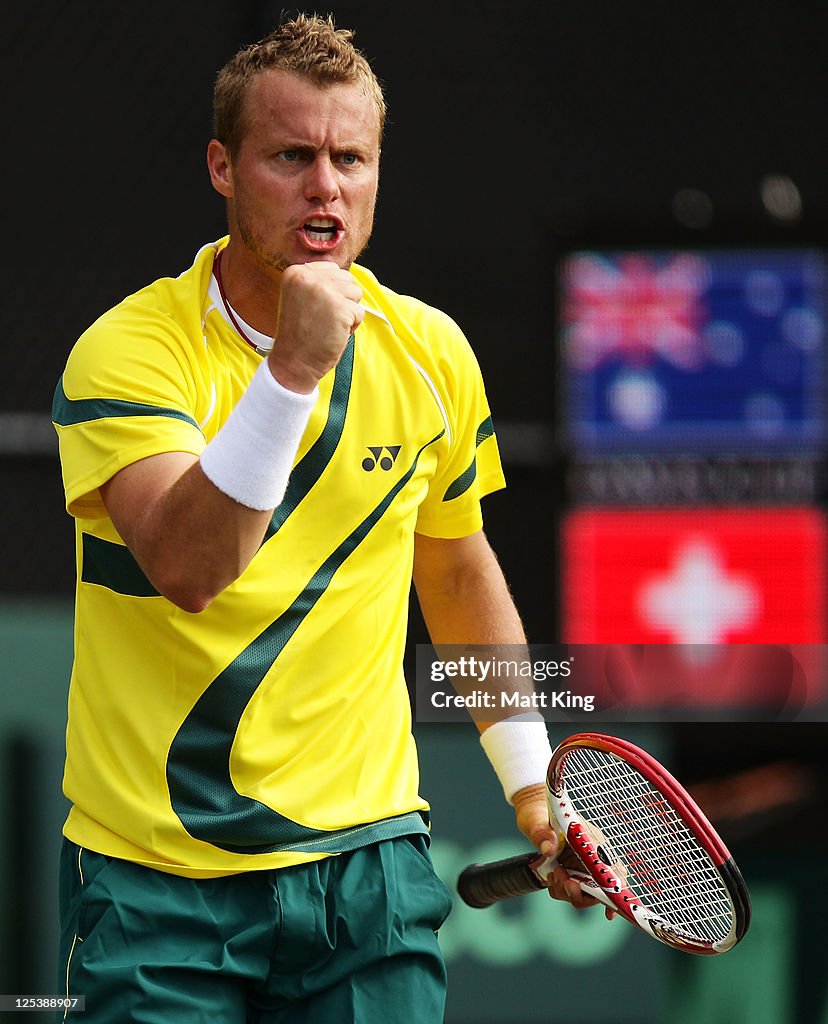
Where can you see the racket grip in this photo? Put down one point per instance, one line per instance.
(481, 885)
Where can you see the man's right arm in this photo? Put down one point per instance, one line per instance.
(190, 539)
(193, 529)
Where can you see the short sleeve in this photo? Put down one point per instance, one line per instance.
(128, 392)
(471, 468)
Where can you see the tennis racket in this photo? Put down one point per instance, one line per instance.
(643, 847)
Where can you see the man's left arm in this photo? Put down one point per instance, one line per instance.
(465, 599)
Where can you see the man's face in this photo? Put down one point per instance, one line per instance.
(303, 183)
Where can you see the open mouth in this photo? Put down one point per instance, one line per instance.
(321, 229)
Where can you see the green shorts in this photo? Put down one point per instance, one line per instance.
(348, 938)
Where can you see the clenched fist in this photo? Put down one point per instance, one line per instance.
(318, 311)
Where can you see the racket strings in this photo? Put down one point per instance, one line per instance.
(668, 870)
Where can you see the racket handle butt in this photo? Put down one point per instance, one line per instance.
(481, 885)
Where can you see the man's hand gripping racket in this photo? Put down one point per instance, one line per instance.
(642, 847)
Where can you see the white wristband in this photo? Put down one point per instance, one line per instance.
(519, 751)
(251, 457)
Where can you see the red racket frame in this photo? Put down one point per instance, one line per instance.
(482, 885)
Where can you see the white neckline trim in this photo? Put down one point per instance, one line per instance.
(263, 342)
(377, 313)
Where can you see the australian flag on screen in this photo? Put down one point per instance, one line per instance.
(718, 351)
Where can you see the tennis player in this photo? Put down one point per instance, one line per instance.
(246, 840)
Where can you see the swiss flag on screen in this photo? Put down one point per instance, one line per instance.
(700, 576)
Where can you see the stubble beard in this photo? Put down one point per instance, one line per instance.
(275, 259)
(271, 259)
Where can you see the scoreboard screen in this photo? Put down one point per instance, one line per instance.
(695, 576)
(671, 351)
(698, 598)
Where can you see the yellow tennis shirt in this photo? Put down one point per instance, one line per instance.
(274, 727)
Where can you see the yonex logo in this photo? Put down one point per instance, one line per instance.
(377, 458)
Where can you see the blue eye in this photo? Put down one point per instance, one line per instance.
(349, 158)
(289, 155)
